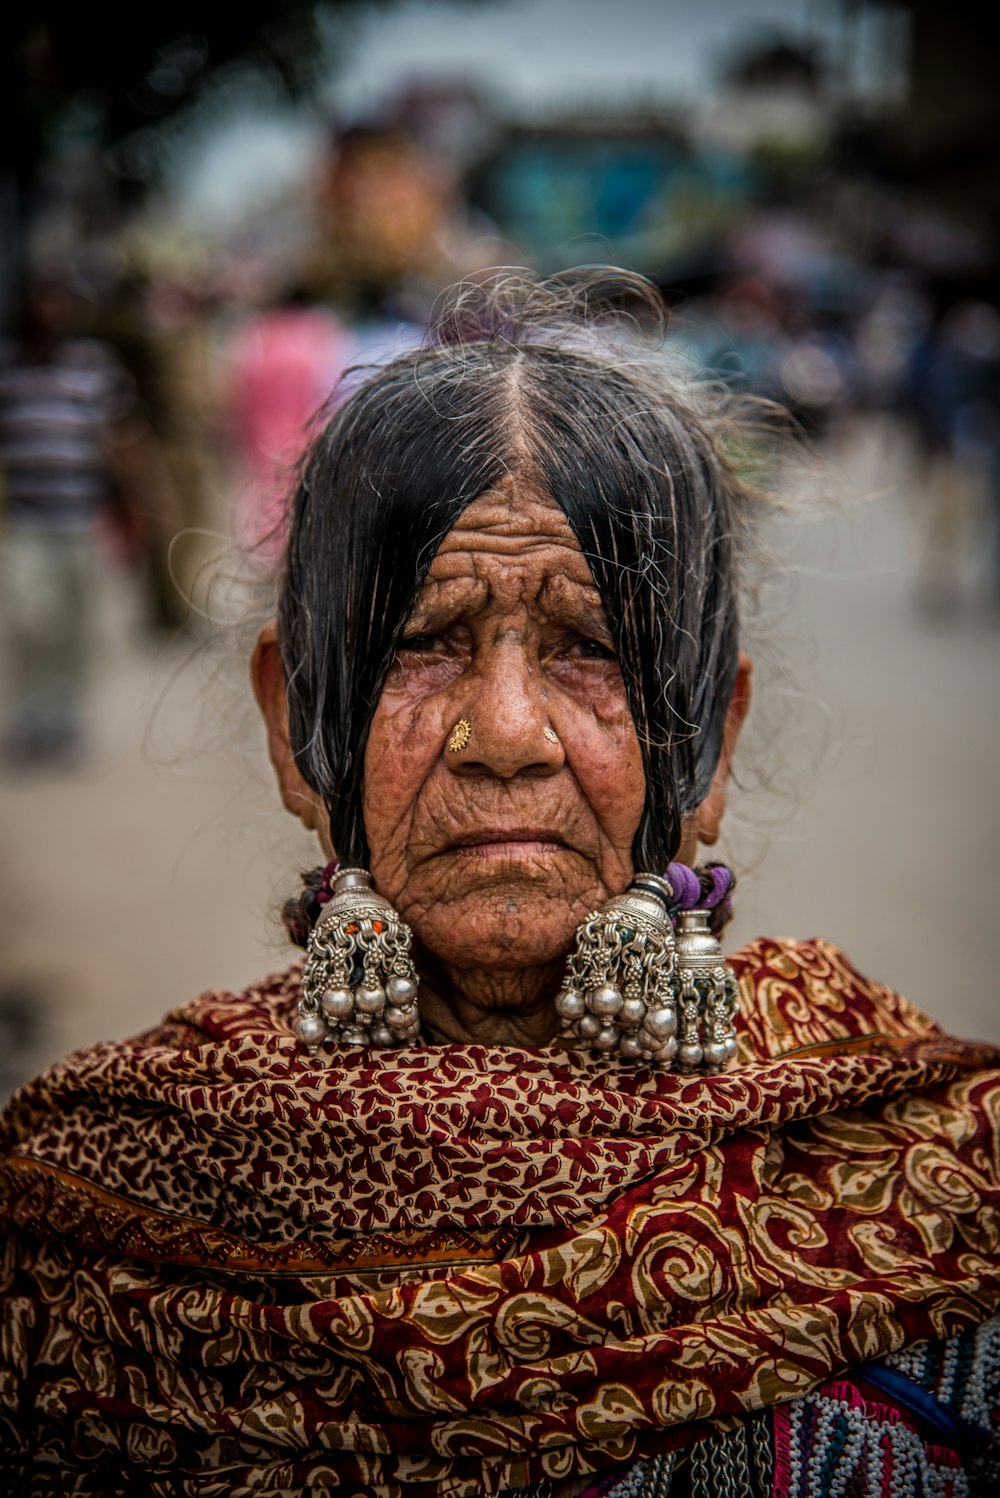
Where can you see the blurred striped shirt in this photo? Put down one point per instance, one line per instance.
(56, 424)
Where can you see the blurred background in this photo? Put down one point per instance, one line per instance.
(202, 226)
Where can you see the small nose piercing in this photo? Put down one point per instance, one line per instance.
(460, 735)
(551, 735)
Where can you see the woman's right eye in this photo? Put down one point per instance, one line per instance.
(421, 644)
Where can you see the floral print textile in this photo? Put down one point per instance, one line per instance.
(230, 1268)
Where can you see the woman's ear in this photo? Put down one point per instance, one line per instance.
(268, 677)
(711, 811)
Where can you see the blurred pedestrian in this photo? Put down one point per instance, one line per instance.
(953, 397)
(282, 368)
(66, 406)
(741, 341)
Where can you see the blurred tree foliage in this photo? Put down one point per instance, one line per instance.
(136, 66)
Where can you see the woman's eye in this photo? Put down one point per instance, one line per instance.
(593, 650)
(421, 644)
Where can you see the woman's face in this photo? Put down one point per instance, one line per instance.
(495, 852)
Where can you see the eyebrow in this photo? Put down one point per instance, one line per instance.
(579, 604)
(450, 601)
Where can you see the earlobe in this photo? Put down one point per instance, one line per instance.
(268, 678)
(711, 811)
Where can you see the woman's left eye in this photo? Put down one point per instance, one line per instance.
(593, 650)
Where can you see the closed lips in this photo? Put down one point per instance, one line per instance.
(507, 835)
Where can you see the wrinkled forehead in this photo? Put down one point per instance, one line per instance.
(513, 544)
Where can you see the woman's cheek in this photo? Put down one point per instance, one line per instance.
(417, 677)
(605, 757)
(403, 747)
(596, 685)
(601, 744)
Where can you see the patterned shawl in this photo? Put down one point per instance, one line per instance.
(454, 1270)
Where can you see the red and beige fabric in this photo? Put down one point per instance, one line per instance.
(455, 1270)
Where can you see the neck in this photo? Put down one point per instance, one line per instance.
(484, 1006)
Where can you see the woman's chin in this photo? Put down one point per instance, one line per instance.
(514, 925)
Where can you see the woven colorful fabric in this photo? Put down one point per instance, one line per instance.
(456, 1270)
(923, 1421)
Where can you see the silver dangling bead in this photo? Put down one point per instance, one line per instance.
(359, 985)
(619, 993)
(706, 997)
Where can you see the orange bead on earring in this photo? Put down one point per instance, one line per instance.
(460, 735)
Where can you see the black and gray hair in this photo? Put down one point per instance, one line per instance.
(541, 378)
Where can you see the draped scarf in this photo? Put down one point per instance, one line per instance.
(231, 1268)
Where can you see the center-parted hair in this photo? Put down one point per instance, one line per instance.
(534, 377)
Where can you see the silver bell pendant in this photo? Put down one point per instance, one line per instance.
(706, 997)
(640, 991)
(359, 985)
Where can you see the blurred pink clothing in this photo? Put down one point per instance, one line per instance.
(282, 369)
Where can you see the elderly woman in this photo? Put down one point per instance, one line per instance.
(514, 1183)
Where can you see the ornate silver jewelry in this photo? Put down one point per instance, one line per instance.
(635, 990)
(359, 985)
(706, 1002)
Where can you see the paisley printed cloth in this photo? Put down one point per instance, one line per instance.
(229, 1268)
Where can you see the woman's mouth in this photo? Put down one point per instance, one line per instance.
(508, 842)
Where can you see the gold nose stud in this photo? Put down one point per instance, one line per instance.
(551, 735)
(460, 736)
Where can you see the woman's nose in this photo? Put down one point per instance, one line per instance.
(508, 729)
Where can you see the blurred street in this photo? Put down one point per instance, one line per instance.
(155, 867)
(886, 760)
(158, 867)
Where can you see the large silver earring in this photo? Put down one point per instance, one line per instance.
(636, 990)
(359, 985)
(706, 997)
